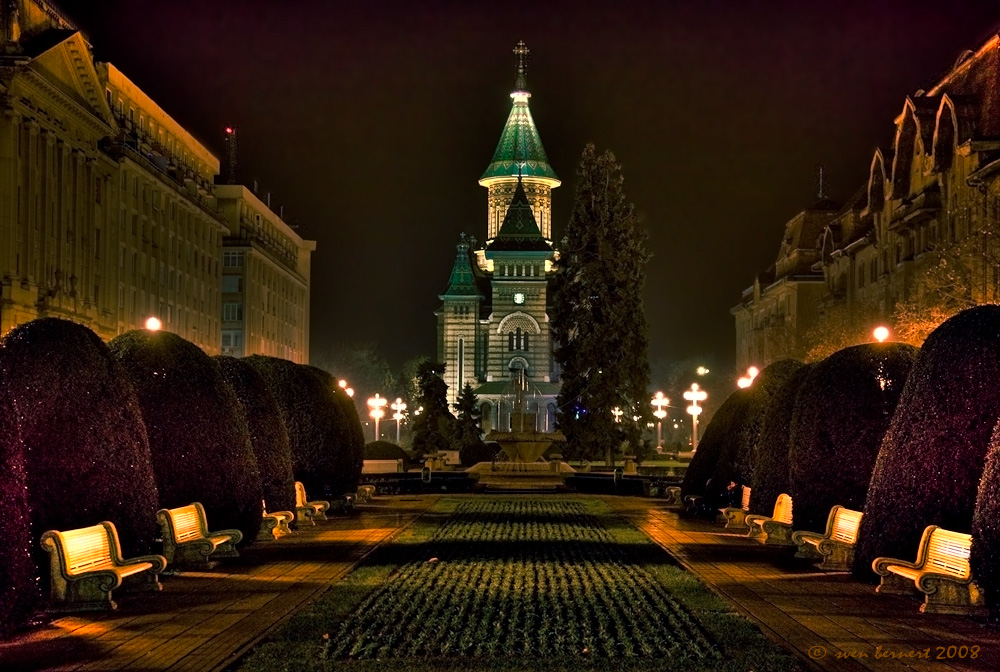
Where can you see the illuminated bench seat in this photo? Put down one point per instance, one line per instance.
(187, 541)
(86, 564)
(306, 511)
(775, 530)
(836, 545)
(941, 572)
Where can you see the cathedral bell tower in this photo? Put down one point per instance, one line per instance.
(519, 158)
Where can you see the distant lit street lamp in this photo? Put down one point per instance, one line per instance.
(153, 324)
(880, 334)
(348, 390)
(659, 401)
(701, 370)
(377, 403)
(618, 413)
(399, 407)
(747, 380)
(694, 395)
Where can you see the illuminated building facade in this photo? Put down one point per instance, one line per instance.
(108, 214)
(265, 280)
(493, 324)
(918, 241)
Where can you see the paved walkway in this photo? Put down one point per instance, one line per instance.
(830, 620)
(205, 620)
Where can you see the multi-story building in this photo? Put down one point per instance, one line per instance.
(920, 240)
(265, 280)
(493, 325)
(108, 214)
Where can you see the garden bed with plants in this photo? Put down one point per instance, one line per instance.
(501, 583)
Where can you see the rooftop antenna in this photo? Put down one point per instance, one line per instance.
(822, 186)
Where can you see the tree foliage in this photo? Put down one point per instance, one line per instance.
(361, 365)
(86, 451)
(434, 427)
(842, 413)
(726, 424)
(268, 435)
(324, 431)
(468, 427)
(198, 437)
(598, 324)
(932, 457)
(770, 476)
(985, 558)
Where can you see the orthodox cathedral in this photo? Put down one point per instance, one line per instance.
(493, 323)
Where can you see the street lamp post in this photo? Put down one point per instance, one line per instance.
(747, 380)
(659, 401)
(398, 406)
(618, 413)
(377, 403)
(694, 395)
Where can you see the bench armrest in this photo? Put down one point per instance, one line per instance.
(880, 565)
(235, 535)
(158, 562)
(805, 536)
(925, 580)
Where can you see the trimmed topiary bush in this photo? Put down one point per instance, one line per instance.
(19, 585)
(985, 557)
(929, 467)
(384, 450)
(770, 465)
(735, 461)
(268, 436)
(726, 424)
(198, 437)
(326, 440)
(842, 413)
(85, 448)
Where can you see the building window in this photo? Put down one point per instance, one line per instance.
(232, 259)
(232, 311)
(232, 338)
(232, 283)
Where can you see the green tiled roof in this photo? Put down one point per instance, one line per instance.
(462, 282)
(520, 150)
(519, 231)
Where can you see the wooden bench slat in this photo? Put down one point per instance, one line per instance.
(187, 541)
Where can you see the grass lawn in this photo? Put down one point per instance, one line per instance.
(512, 583)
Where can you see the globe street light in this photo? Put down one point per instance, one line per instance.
(659, 401)
(153, 324)
(399, 407)
(880, 334)
(747, 380)
(348, 390)
(694, 395)
(618, 413)
(376, 403)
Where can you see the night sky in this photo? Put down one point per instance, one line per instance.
(372, 122)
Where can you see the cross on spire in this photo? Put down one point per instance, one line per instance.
(521, 81)
(821, 185)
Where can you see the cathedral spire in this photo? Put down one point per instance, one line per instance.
(462, 282)
(521, 80)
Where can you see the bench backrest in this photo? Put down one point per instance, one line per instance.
(86, 549)
(845, 525)
(947, 552)
(300, 494)
(783, 509)
(188, 523)
(746, 498)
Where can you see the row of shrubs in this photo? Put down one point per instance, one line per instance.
(92, 431)
(910, 436)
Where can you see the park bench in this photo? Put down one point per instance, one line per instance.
(187, 541)
(306, 511)
(274, 524)
(365, 493)
(941, 572)
(836, 545)
(775, 530)
(673, 494)
(736, 516)
(86, 564)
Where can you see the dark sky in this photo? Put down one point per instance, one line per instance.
(371, 122)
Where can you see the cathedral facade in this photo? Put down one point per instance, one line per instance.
(493, 323)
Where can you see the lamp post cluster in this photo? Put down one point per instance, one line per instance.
(695, 395)
(377, 412)
(398, 406)
(659, 401)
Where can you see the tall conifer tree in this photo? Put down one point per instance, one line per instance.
(433, 429)
(598, 322)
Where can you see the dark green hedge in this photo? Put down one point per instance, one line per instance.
(198, 437)
(86, 453)
(268, 436)
(323, 428)
(735, 462)
(843, 411)
(986, 526)
(19, 585)
(726, 424)
(932, 457)
(770, 467)
(384, 450)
